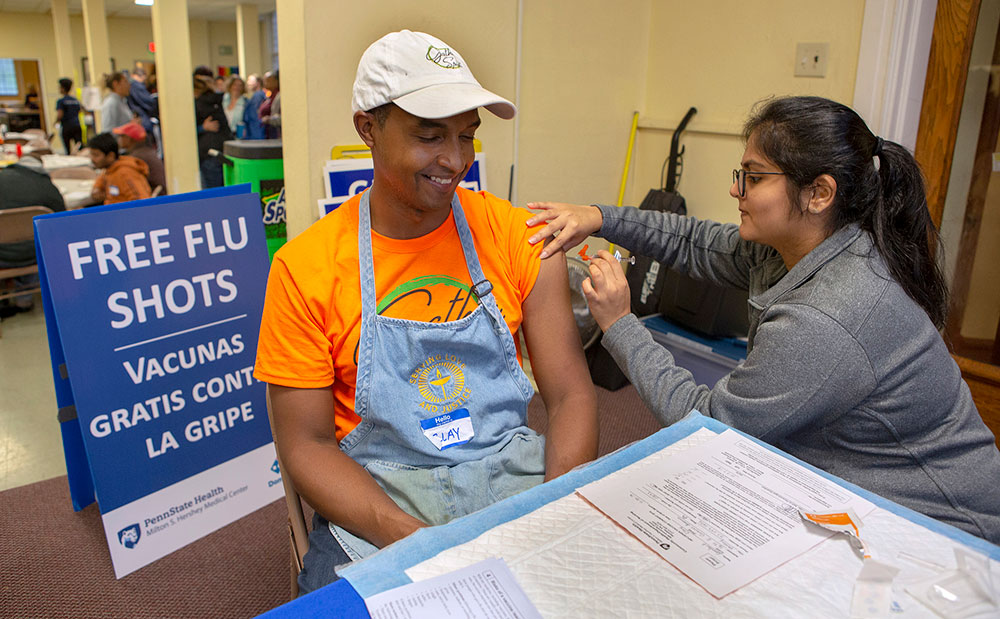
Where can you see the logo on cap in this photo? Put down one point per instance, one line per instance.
(443, 57)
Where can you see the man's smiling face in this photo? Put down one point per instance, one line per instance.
(418, 161)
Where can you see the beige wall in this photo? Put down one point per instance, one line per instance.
(201, 46)
(579, 89)
(30, 35)
(721, 57)
(223, 33)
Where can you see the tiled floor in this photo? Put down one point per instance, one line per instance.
(30, 442)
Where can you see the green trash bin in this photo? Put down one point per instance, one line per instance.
(259, 163)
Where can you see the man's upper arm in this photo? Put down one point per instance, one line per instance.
(560, 371)
(551, 335)
(300, 414)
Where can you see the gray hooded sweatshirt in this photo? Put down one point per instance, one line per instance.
(843, 370)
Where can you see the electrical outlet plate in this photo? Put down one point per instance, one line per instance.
(811, 59)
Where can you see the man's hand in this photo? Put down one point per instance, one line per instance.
(211, 125)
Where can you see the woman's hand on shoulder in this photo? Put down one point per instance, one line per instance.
(571, 222)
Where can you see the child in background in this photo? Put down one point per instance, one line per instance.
(124, 177)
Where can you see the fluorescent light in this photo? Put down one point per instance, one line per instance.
(144, 2)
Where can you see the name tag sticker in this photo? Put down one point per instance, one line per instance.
(449, 429)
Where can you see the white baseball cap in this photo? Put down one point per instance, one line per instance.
(422, 75)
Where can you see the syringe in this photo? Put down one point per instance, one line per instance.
(618, 256)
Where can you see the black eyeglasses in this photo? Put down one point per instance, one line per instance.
(740, 178)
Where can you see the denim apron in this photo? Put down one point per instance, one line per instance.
(442, 405)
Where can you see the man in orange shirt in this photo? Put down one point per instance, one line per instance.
(124, 177)
(388, 334)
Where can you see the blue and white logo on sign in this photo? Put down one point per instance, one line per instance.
(276, 468)
(129, 536)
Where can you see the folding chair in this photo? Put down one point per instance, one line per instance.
(298, 533)
(16, 227)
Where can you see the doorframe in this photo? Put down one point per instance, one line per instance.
(944, 91)
(892, 67)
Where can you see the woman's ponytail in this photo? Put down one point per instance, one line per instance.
(901, 225)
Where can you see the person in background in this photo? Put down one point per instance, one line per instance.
(219, 84)
(145, 106)
(31, 97)
(68, 115)
(203, 70)
(213, 131)
(132, 140)
(845, 366)
(124, 177)
(115, 111)
(255, 129)
(270, 109)
(234, 104)
(25, 183)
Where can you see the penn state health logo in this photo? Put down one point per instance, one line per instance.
(129, 536)
(440, 379)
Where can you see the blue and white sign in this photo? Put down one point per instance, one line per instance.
(156, 308)
(344, 178)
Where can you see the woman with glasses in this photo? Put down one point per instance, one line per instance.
(845, 366)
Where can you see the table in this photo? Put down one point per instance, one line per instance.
(565, 570)
(75, 191)
(56, 161)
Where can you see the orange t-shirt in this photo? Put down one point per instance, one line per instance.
(312, 311)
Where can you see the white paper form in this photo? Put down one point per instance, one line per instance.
(724, 512)
(484, 590)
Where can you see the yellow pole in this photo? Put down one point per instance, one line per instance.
(628, 156)
(628, 163)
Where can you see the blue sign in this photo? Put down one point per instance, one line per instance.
(155, 310)
(344, 178)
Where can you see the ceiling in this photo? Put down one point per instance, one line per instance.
(213, 10)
